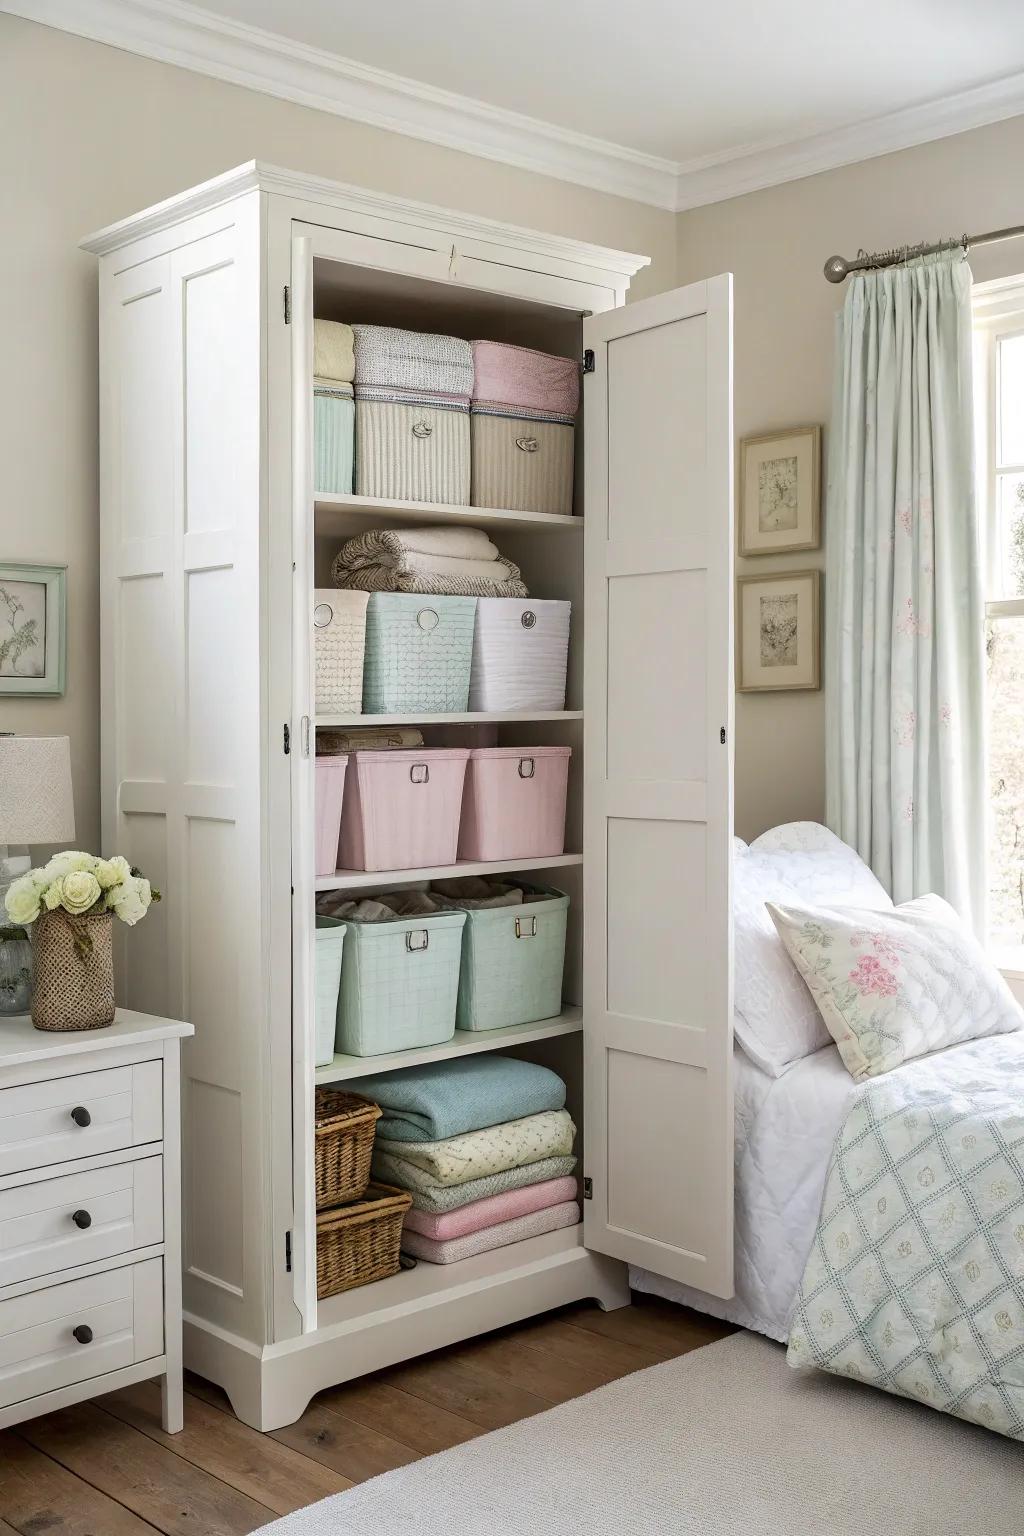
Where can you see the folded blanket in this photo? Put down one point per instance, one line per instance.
(333, 352)
(527, 380)
(451, 1197)
(366, 739)
(453, 562)
(443, 1226)
(477, 1153)
(448, 1098)
(413, 360)
(556, 1216)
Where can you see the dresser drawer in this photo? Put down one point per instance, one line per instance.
(68, 1333)
(79, 1115)
(100, 1213)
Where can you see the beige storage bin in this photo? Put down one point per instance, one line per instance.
(522, 465)
(412, 452)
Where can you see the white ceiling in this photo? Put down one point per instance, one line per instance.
(670, 77)
(668, 101)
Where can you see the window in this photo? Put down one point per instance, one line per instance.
(999, 389)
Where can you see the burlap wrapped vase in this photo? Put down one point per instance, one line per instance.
(74, 983)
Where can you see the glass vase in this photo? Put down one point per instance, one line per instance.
(15, 971)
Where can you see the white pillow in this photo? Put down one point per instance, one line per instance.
(776, 1020)
(898, 984)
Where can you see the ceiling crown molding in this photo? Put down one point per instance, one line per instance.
(754, 167)
(196, 39)
(193, 38)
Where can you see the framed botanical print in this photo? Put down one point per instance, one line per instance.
(33, 641)
(779, 622)
(780, 492)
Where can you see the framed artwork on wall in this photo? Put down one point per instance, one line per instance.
(33, 639)
(780, 492)
(779, 621)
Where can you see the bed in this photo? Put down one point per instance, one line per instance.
(879, 1223)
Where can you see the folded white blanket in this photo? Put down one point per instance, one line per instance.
(334, 355)
(452, 561)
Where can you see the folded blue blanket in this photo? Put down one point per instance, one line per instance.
(448, 1098)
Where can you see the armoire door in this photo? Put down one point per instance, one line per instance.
(658, 785)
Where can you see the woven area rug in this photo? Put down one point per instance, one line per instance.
(725, 1441)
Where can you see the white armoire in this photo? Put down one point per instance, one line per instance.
(212, 541)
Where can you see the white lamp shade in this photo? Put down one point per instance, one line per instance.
(36, 802)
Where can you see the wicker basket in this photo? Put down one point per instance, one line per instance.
(359, 1243)
(345, 1127)
(74, 986)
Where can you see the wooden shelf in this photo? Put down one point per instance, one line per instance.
(383, 879)
(465, 1042)
(341, 516)
(468, 717)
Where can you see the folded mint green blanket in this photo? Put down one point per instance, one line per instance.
(449, 1098)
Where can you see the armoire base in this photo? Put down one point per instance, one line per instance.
(393, 1320)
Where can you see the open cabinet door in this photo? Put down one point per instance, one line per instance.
(658, 785)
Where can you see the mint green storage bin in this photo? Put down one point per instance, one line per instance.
(334, 415)
(329, 945)
(512, 962)
(399, 983)
(419, 651)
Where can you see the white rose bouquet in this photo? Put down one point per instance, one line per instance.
(82, 886)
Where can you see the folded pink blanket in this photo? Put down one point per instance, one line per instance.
(533, 381)
(450, 1252)
(492, 1211)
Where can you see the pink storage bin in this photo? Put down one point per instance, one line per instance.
(514, 803)
(402, 809)
(330, 795)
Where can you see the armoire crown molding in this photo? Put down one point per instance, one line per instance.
(190, 37)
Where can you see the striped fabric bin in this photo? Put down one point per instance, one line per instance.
(333, 437)
(412, 415)
(523, 428)
(412, 451)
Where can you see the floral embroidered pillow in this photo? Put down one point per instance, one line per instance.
(891, 985)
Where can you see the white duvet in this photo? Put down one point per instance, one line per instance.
(785, 1128)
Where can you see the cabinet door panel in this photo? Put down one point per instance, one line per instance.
(658, 792)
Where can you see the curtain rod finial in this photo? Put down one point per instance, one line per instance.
(836, 269)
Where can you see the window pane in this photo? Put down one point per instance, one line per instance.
(1005, 647)
(1011, 400)
(1010, 536)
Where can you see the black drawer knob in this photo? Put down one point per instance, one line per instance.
(81, 1116)
(82, 1219)
(82, 1334)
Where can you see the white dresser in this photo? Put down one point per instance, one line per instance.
(90, 1213)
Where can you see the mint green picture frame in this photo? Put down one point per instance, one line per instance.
(33, 621)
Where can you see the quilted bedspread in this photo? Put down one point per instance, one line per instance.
(915, 1278)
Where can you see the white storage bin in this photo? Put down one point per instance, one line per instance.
(520, 653)
(339, 628)
(412, 452)
(329, 944)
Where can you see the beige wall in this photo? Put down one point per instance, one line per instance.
(88, 135)
(776, 243)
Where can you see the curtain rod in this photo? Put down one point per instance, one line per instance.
(837, 267)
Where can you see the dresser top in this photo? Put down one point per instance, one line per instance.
(22, 1044)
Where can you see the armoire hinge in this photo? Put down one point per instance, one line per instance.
(287, 740)
(288, 1252)
(721, 736)
(588, 1189)
(588, 360)
(287, 305)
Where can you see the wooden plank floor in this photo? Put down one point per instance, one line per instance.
(106, 1468)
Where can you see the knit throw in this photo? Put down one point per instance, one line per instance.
(534, 383)
(413, 360)
(441, 562)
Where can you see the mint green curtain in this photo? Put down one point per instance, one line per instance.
(905, 628)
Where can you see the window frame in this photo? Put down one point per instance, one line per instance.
(998, 314)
